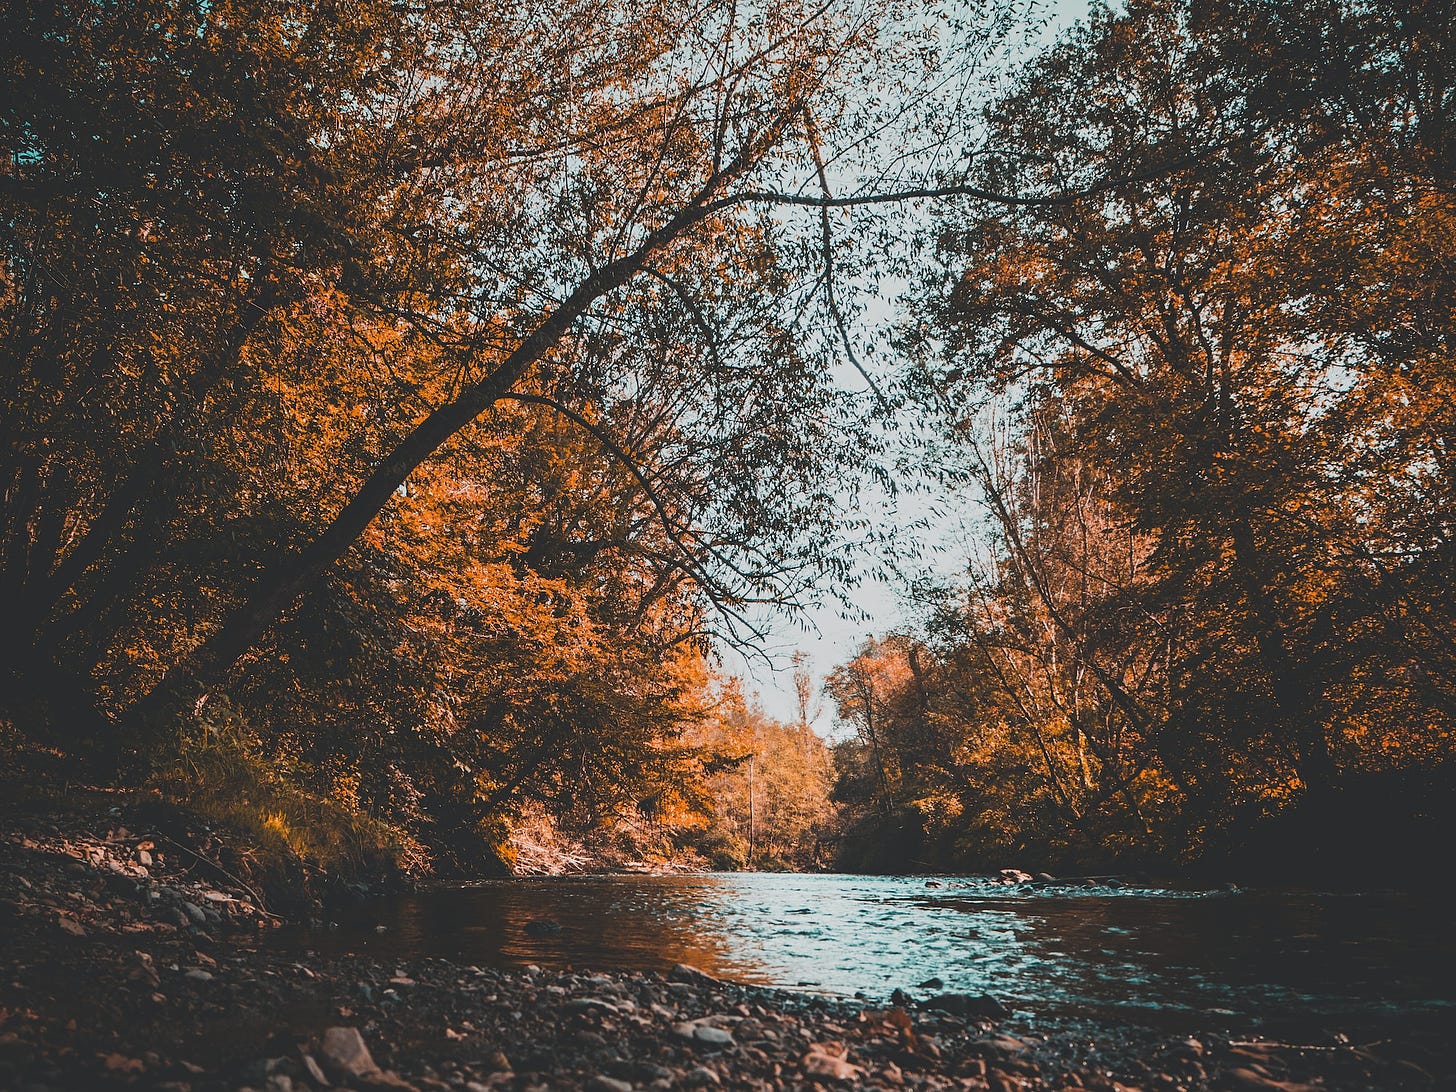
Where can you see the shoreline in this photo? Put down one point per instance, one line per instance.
(124, 964)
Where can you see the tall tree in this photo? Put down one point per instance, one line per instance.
(1227, 340)
(400, 220)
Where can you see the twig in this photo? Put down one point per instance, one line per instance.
(257, 898)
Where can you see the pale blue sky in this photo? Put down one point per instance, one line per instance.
(823, 633)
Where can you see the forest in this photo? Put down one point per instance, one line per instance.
(404, 405)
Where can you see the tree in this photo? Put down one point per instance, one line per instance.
(404, 220)
(767, 800)
(1220, 347)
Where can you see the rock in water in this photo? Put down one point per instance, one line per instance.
(544, 927)
(963, 1004)
(681, 972)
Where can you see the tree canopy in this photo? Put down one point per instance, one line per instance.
(410, 397)
(1207, 411)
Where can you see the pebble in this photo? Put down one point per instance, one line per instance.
(71, 925)
(711, 1036)
(600, 1083)
(999, 1045)
(347, 1056)
(828, 1067)
(315, 1071)
(963, 1004)
(588, 1004)
(683, 973)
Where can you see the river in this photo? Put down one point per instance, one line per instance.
(1156, 956)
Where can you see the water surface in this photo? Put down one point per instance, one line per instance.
(1163, 956)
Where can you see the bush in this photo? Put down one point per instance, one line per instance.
(228, 774)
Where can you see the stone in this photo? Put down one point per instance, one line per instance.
(1015, 875)
(681, 972)
(315, 1071)
(543, 927)
(749, 1029)
(344, 1052)
(964, 1004)
(197, 974)
(71, 925)
(998, 1046)
(588, 1004)
(827, 1067)
(930, 984)
(601, 1083)
(703, 1077)
(711, 1036)
(120, 1063)
(717, 1020)
(195, 913)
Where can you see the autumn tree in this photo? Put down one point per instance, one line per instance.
(1212, 360)
(765, 797)
(392, 223)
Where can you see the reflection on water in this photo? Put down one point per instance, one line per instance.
(1140, 954)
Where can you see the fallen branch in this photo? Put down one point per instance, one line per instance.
(257, 898)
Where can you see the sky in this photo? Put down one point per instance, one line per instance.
(823, 633)
(941, 531)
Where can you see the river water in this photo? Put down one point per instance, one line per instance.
(1155, 956)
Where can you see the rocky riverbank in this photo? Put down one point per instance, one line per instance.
(129, 961)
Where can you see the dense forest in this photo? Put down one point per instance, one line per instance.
(1208, 414)
(404, 404)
